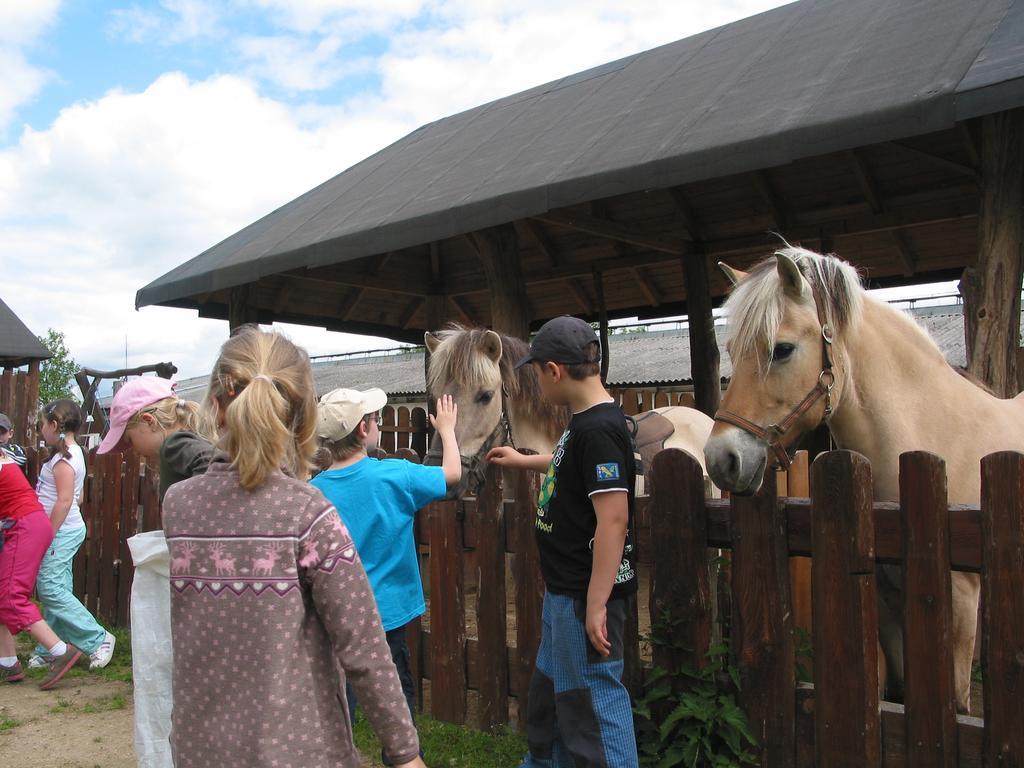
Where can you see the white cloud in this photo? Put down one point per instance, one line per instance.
(21, 23)
(175, 21)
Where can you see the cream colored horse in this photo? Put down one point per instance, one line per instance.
(475, 364)
(893, 392)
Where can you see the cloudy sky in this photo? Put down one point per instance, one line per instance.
(133, 136)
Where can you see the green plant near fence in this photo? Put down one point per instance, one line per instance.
(689, 717)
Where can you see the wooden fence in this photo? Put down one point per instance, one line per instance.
(19, 400)
(403, 427)
(837, 721)
(119, 499)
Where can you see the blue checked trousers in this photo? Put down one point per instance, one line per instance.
(579, 712)
(54, 587)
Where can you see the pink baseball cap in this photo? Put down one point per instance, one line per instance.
(131, 398)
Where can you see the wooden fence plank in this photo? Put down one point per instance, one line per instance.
(798, 484)
(927, 613)
(110, 545)
(529, 584)
(1002, 585)
(491, 604)
(762, 625)
(418, 423)
(387, 432)
(847, 726)
(679, 572)
(402, 432)
(447, 615)
(130, 489)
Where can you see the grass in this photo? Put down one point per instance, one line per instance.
(7, 723)
(452, 746)
(106, 704)
(119, 669)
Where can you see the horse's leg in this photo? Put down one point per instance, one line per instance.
(890, 628)
(966, 592)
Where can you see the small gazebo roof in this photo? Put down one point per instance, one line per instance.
(813, 79)
(18, 345)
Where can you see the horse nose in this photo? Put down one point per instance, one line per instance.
(724, 463)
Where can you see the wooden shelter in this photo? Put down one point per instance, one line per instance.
(21, 353)
(873, 129)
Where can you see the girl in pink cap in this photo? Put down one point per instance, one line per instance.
(150, 418)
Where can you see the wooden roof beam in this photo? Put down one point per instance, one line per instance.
(864, 180)
(941, 162)
(610, 230)
(359, 281)
(899, 239)
(585, 305)
(532, 230)
(766, 190)
(462, 310)
(410, 312)
(646, 287)
(970, 145)
(685, 211)
(352, 299)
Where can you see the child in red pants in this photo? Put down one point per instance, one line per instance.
(25, 534)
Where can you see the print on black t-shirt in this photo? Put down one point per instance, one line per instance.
(594, 455)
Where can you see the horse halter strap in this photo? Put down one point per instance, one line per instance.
(773, 433)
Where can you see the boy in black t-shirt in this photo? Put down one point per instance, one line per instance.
(579, 712)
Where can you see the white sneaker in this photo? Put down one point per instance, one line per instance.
(99, 658)
(39, 661)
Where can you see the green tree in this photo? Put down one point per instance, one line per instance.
(56, 374)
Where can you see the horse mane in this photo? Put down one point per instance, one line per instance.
(459, 354)
(756, 305)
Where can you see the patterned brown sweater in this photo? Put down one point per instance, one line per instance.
(270, 610)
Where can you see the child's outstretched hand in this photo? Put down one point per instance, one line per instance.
(504, 456)
(447, 414)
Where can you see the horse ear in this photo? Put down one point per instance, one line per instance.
(789, 275)
(431, 341)
(734, 276)
(491, 345)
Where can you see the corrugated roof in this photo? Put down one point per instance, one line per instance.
(18, 345)
(643, 358)
(809, 78)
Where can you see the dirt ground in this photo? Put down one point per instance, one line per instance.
(86, 722)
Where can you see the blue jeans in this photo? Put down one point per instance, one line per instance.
(55, 589)
(579, 713)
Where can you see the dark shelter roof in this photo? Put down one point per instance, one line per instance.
(801, 81)
(18, 345)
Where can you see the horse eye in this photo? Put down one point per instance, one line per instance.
(485, 397)
(782, 352)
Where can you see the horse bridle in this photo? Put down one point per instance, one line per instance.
(773, 434)
(473, 466)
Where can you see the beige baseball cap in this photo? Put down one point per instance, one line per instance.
(341, 410)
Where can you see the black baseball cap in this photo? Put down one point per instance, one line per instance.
(561, 340)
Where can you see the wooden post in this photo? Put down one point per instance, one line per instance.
(931, 735)
(847, 726)
(498, 248)
(679, 566)
(447, 615)
(522, 514)
(762, 625)
(602, 309)
(491, 603)
(29, 437)
(704, 359)
(239, 311)
(1002, 584)
(797, 480)
(991, 290)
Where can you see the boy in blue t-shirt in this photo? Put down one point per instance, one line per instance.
(377, 501)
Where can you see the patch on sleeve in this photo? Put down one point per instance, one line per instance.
(609, 471)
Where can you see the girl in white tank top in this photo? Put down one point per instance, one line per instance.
(59, 489)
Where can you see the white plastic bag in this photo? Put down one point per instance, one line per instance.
(152, 652)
